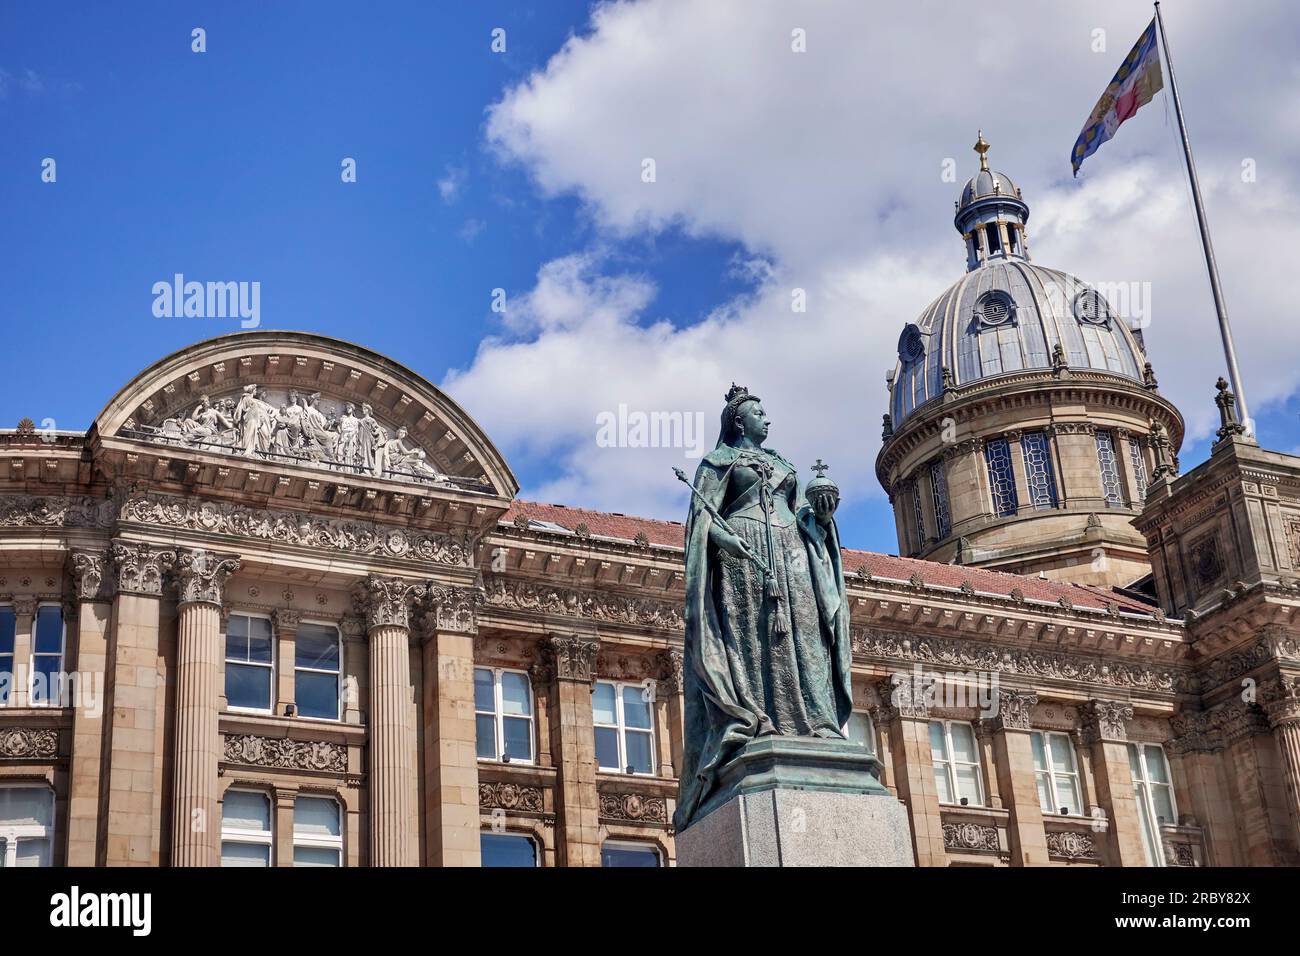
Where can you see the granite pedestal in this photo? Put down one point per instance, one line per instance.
(799, 801)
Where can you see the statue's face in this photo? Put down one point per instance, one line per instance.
(753, 422)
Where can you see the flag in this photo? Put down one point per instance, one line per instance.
(1134, 85)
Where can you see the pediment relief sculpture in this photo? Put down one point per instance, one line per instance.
(293, 426)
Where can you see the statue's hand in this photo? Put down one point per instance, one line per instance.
(824, 504)
(729, 543)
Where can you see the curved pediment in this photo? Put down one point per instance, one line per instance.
(298, 399)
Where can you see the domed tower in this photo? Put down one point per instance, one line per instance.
(1021, 413)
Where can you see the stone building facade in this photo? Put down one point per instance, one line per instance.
(263, 636)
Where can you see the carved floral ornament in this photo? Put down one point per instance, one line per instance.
(201, 575)
(1071, 845)
(285, 754)
(302, 427)
(511, 796)
(391, 601)
(528, 596)
(970, 836)
(633, 807)
(25, 743)
(141, 567)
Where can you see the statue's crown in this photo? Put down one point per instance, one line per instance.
(737, 395)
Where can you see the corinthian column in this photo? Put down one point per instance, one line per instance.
(1282, 701)
(387, 605)
(568, 665)
(200, 578)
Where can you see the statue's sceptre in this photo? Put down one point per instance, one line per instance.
(773, 590)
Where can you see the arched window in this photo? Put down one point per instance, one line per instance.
(627, 853)
(507, 849)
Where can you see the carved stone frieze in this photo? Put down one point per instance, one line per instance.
(1105, 720)
(363, 538)
(633, 807)
(970, 836)
(141, 567)
(1206, 731)
(91, 575)
(387, 601)
(55, 511)
(511, 796)
(1071, 845)
(27, 743)
(281, 753)
(966, 654)
(518, 595)
(201, 575)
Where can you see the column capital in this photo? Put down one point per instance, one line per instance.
(201, 575)
(140, 567)
(286, 619)
(1280, 697)
(91, 573)
(670, 663)
(568, 657)
(387, 601)
(1015, 710)
(452, 608)
(24, 606)
(901, 695)
(1106, 720)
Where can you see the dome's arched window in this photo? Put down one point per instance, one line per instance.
(1002, 481)
(1040, 477)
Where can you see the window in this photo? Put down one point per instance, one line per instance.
(1056, 773)
(8, 633)
(995, 242)
(613, 853)
(26, 825)
(956, 763)
(1002, 480)
(246, 828)
(917, 519)
(1155, 797)
(939, 492)
(317, 659)
(507, 849)
(624, 738)
(861, 731)
(249, 667)
(503, 714)
(317, 832)
(1038, 469)
(1139, 469)
(47, 656)
(1110, 491)
(1012, 244)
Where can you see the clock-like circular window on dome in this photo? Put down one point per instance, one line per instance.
(1090, 307)
(994, 309)
(911, 345)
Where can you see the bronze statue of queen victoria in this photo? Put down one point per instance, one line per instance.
(767, 631)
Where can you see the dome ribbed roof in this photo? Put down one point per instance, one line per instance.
(985, 183)
(1005, 316)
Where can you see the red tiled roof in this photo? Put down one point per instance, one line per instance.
(669, 534)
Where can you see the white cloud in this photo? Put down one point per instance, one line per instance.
(451, 183)
(826, 167)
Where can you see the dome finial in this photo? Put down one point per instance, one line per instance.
(982, 148)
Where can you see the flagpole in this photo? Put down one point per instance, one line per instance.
(1225, 330)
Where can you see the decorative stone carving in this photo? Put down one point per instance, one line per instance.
(670, 671)
(300, 428)
(1181, 854)
(1105, 720)
(286, 619)
(453, 608)
(1015, 710)
(285, 754)
(354, 537)
(571, 657)
(1207, 731)
(1206, 564)
(388, 601)
(511, 796)
(633, 807)
(28, 743)
(141, 566)
(970, 836)
(201, 575)
(966, 654)
(90, 573)
(1071, 845)
(24, 606)
(27, 511)
(903, 698)
(518, 595)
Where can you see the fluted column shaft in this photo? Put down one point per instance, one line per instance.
(392, 748)
(195, 819)
(1286, 731)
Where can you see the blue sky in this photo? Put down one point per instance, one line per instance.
(479, 170)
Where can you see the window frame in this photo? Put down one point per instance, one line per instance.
(531, 838)
(918, 518)
(950, 763)
(1041, 485)
(320, 842)
(639, 845)
(338, 634)
(1051, 772)
(999, 485)
(245, 837)
(1138, 465)
(1153, 844)
(11, 834)
(1104, 439)
(939, 499)
(226, 662)
(499, 717)
(53, 701)
(7, 699)
(621, 730)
